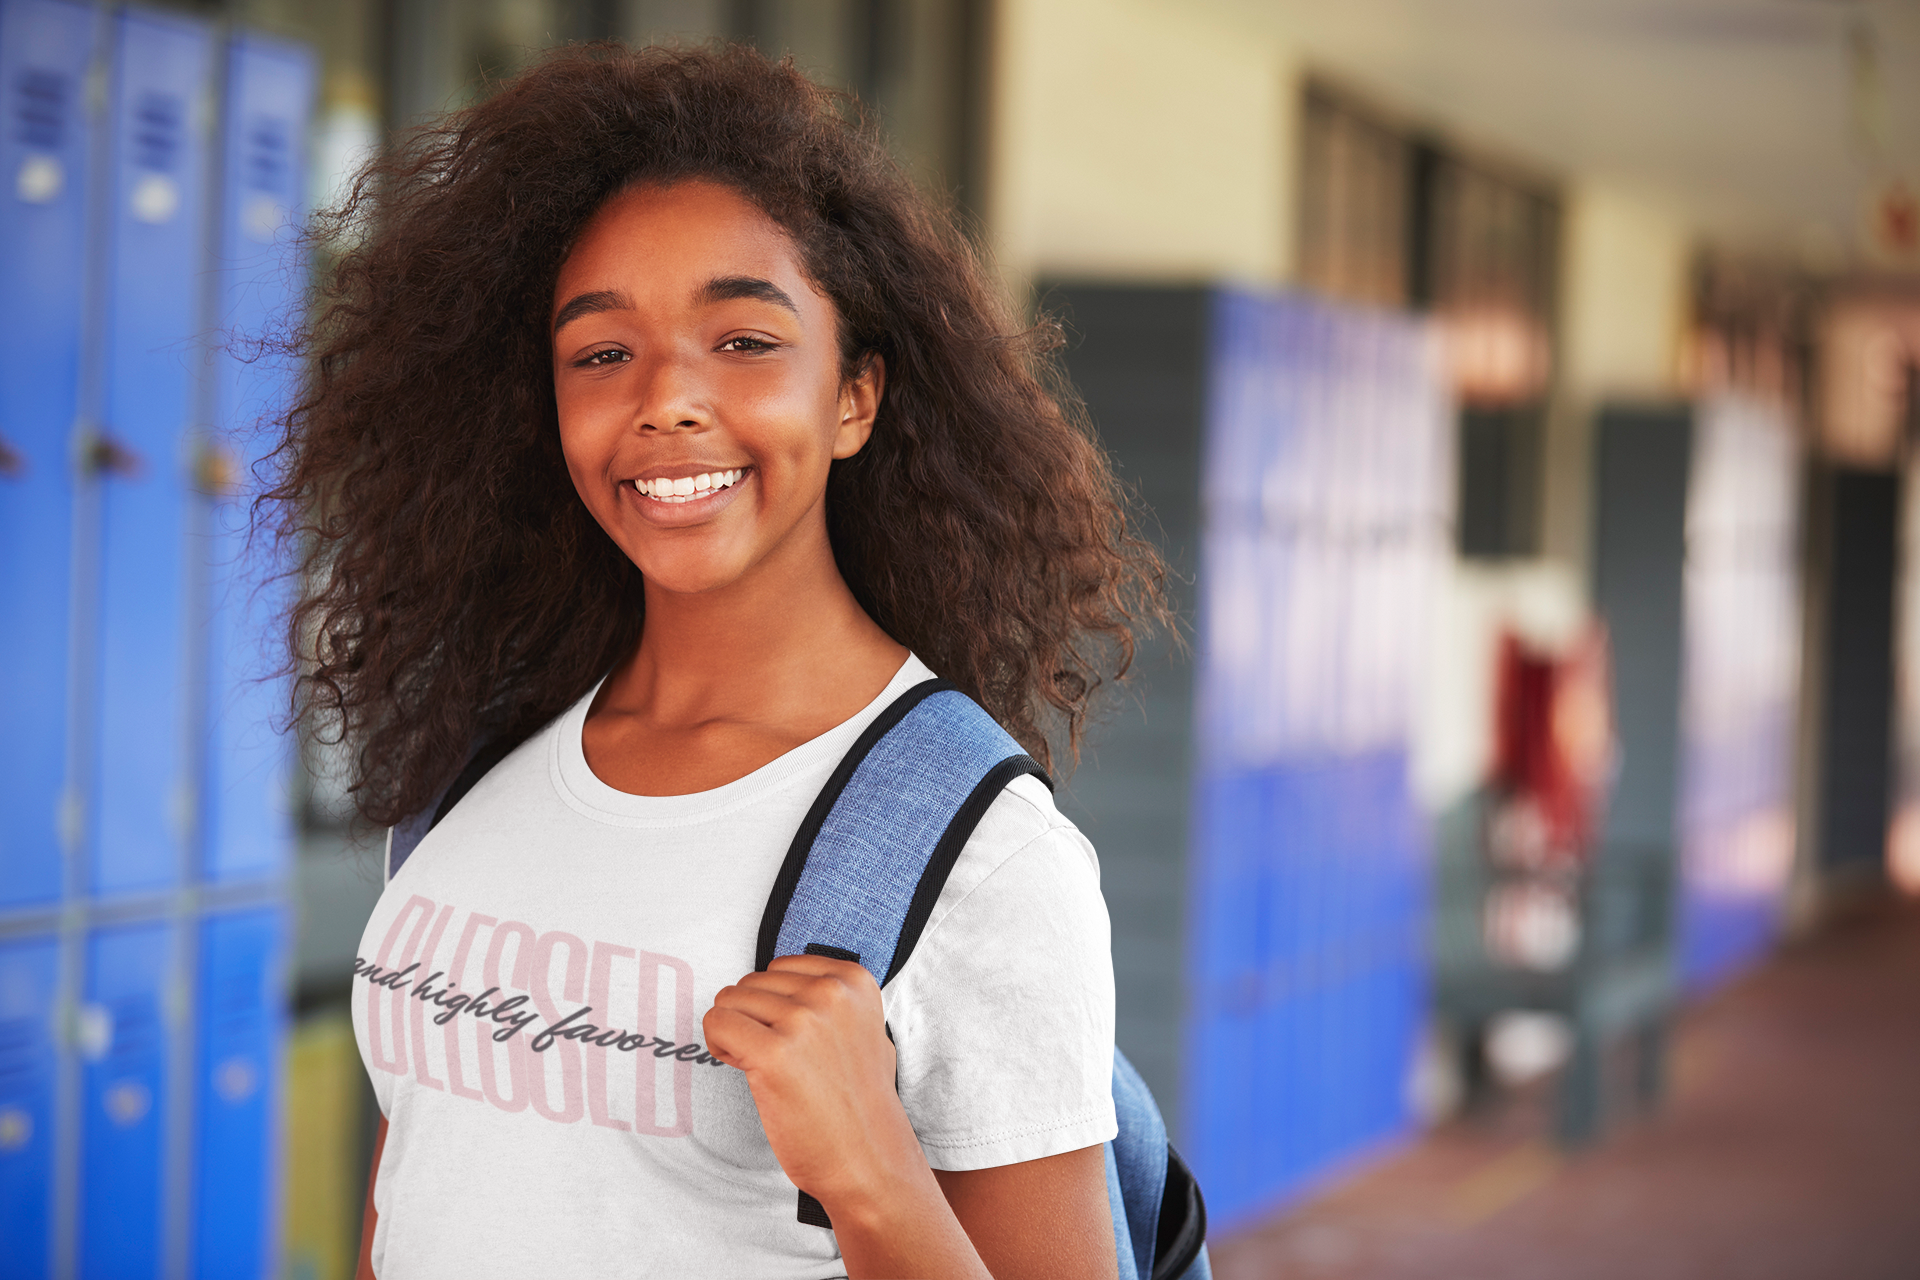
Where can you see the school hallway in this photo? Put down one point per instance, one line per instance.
(1788, 1149)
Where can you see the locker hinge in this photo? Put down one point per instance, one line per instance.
(69, 820)
(96, 89)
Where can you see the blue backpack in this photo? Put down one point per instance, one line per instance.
(859, 883)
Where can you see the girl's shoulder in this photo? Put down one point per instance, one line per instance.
(1026, 810)
(1023, 832)
(1003, 1018)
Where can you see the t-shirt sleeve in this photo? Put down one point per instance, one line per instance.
(1003, 1018)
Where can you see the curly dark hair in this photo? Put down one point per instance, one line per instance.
(455, 588)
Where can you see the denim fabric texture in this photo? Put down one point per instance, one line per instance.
(868, 858)
(1140, 1154)
(1116, 1200)
(405, 837)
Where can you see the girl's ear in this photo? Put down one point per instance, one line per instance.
(859, 403)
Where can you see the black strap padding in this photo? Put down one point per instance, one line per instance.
(1183, 1221)
(947, 852)
(788, 880)
(477, 768)
(813, 1213)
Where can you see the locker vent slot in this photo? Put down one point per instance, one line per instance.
(268, 148)
(40, 100)
(135, 1027)
(158, 122)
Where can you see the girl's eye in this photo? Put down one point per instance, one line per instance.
(612, 355)
(746, 343)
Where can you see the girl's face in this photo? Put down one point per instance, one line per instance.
(697, 375)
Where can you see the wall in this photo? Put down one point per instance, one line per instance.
(1624, 289)
(1141, 361)
(1137, 140)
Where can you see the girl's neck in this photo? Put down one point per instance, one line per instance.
(786, 648)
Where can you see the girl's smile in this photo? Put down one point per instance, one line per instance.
(688, 488)
(677, 498)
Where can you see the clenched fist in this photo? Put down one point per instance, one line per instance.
(811, 1036)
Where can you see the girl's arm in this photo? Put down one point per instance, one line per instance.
(371, 1218)
(810, 1035)
(1045, 1217)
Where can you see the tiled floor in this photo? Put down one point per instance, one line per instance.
(1788, 1149)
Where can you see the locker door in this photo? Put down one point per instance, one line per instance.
(270, 89)
(152, 357)
(45, 47)
(1307, 868)
(125, 1032)
(29, 969)
(236, 1098)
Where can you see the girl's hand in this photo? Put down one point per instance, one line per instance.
(811, 1036)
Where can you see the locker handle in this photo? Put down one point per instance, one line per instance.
(102, 455)
(13, 463)
(216, 473)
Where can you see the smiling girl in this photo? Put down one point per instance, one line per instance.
(660, 435)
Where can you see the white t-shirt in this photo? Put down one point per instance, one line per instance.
(545, 891)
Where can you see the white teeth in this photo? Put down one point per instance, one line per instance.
(688, 488)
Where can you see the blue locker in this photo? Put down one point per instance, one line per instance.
(153, 357)
(124, 1032)
(45, 48)
(1322, 490)
(1305, 968)
(29, 970)
(270, 89)
(237, 1092)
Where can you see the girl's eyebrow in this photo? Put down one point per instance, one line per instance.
(588, 304)
(728, 288)
(718, 289)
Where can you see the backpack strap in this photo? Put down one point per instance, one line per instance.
(860, 881)
(867, 865)
(863, 872)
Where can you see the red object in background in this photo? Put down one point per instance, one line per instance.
(1553, 746)
(1896, 221)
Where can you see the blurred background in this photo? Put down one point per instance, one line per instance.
(1510, 874)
